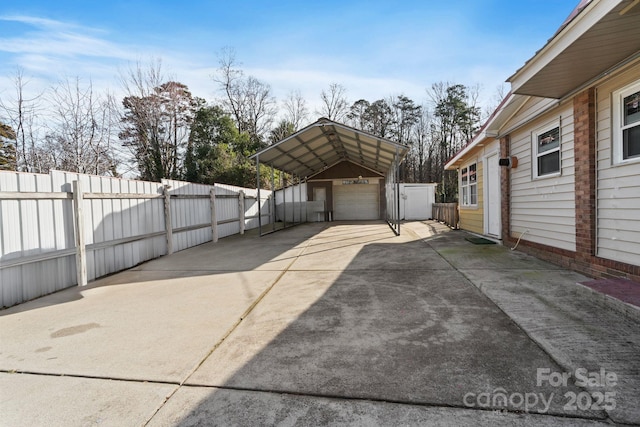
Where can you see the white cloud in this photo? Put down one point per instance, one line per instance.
(52, 50)
(55, 38)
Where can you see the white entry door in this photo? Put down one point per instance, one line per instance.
(492, 196)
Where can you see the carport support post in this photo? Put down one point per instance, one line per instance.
(283, 182)
(214, 219)
(258, 195)
(398, 191)
(167, 219)
(273, 196)
(81, 255)
(293, 198)
(241, 210)
(300, 194)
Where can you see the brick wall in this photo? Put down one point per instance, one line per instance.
(505, 185)
(584, 139)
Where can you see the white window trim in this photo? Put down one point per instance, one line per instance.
(535, 155)
(617, 124)
(461, 199)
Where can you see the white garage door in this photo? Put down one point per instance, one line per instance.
(357, 201)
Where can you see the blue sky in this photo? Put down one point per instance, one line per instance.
(373, 48)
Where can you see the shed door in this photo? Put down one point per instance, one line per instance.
(356, 202)
(418, 202)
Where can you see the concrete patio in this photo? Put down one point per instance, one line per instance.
(324, 323)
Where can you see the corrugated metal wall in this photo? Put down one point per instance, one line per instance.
(37, 232)
(295, 197)
(32, 228)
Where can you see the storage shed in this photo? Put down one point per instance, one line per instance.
(352, 172)
(416, 201)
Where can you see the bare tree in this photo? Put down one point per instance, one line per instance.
(156, 122)
(358, 114)
(81, 129)
(424, 147)
(334, 103)
(246, 98)
(296, 111)
(141, 79)
(455, 121)
(501, 92)
(22, 113)
(406, 114)
(156, 127)
(260, 108)
(139, 120)
(229, 76)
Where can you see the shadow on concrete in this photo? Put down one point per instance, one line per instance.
(236, 253)
(396, 324)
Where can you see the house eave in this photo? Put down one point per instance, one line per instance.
(603, 34)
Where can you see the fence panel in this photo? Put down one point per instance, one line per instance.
(36, 256)
(447, 213)
(124, 225)
(107, 220)
(187, 213)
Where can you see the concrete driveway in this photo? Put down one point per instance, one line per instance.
(324, 323)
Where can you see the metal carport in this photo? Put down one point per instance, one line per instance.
(326, 143)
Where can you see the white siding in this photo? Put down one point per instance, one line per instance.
(544, 206)
(618, 186)
(530, 110)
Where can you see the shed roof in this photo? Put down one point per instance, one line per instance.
(326, 143)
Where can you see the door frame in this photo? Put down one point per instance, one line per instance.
(485, 194)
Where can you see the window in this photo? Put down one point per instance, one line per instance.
(626, 129)
(469, 185)
(547, 152)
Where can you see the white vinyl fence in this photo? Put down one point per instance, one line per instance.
(63, 229)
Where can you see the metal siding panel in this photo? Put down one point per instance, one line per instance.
(118, 211)
(43, 225)
(158, 216)
(11, 289)
(136, 247)
(11, 225)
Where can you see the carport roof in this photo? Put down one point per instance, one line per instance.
(326, 143)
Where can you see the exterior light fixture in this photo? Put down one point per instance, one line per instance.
(510, 162)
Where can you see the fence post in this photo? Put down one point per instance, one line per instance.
(214, 218)
(241, 209)
(81, 255)
(167, 219)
